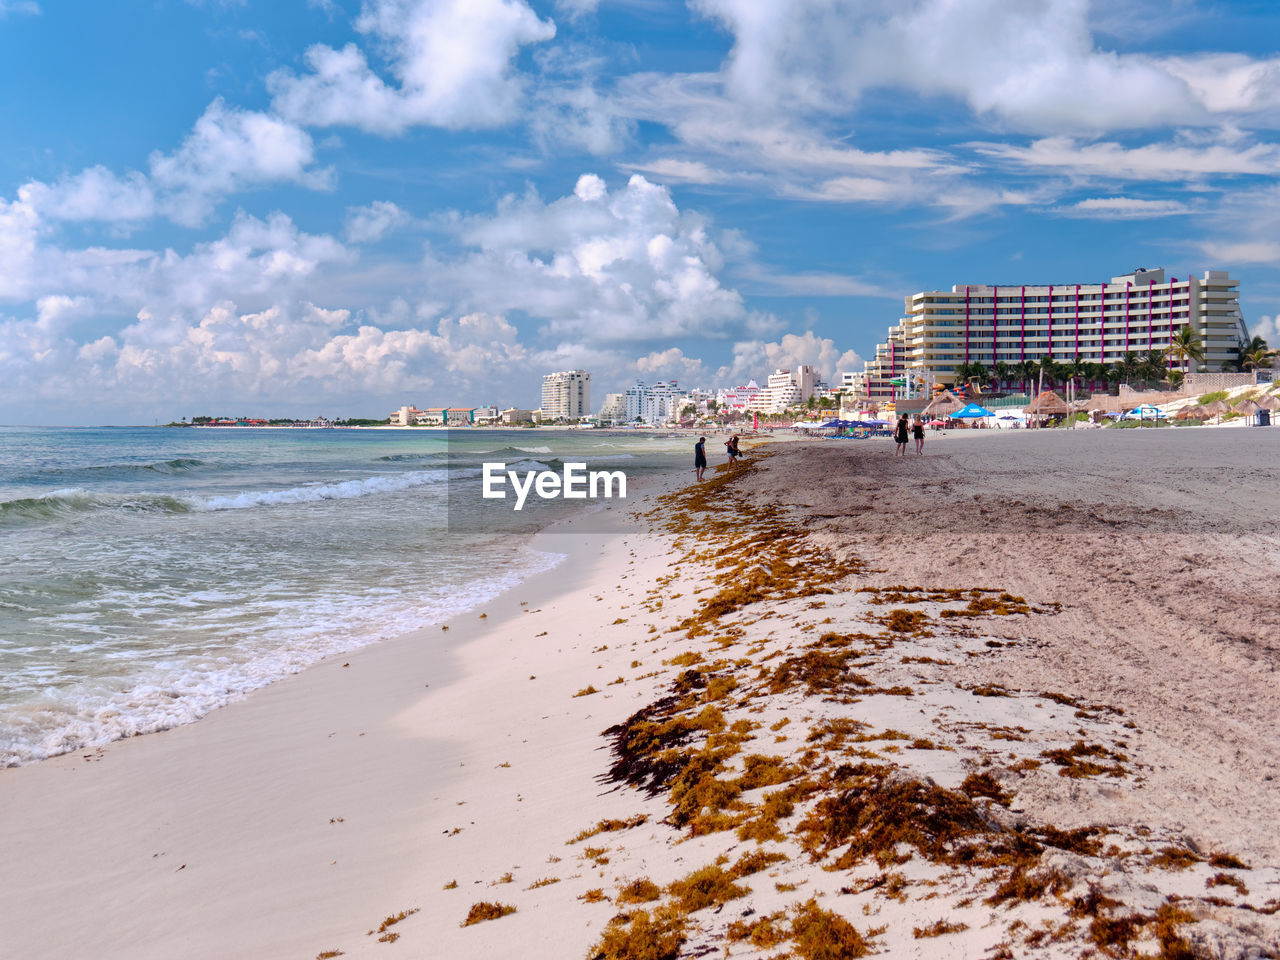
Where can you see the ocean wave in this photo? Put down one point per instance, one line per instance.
(70, 502)
(342, 490)
(125, 471)
(411, 457)
(182, 690)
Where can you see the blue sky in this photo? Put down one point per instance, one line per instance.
(314, 206)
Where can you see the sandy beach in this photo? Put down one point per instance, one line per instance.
(1016, 696)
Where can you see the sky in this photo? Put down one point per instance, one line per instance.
(337, 207)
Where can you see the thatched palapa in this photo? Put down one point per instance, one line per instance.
(943, 405)
(1047, 404)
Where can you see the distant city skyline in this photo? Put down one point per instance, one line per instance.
(354, 204)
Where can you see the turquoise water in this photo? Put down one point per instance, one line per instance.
(150, 575)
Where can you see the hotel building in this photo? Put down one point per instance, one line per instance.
(566, 395)
(1095, 322)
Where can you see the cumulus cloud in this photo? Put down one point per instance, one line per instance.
(601, 265)
(1268, 328)
(1033, 66)
(371, 223)
(227, 151)
(751, 358)
(451, 60)
(671, 364)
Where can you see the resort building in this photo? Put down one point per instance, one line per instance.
(1092, 322)
(652, 404)
(614, 408)
(566, 395)
(738, 398)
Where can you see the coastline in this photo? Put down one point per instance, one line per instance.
(290, 823)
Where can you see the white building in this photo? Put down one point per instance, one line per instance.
(787, 388)
(652, 404)
(566, 395)
(614, 408)
(738, 398)
(1093, 322)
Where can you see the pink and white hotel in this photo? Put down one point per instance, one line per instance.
(1096, 322)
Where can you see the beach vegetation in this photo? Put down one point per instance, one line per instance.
(820, 934)
(392, 920)
(451, 885)
(1082, 760)
(1227, 880)
(640, 890)
(594, 895)
(762, 932)
(543, 882)
(1227, 861)
(586, 691)
(939, 928)
(642, 935)
(328, 954)
(480, 912)
(709, 886)
(610, 826)
(985, 785)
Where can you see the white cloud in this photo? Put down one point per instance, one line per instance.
(671, 364)
(754, 358)
(1268, 328)
(227, 151)
(1242, 251)
(1034, 66)
(19, 6)
(452, 60)
(598, 265)
(1124, 208)
(1156, 161)
(371, 223)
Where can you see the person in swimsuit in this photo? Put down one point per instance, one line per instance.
(731, 447)
(917, 431)
(700, 456)
(900, 437)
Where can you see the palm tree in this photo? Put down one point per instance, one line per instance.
(1152, 365)
(1026, 370)
(1129, 365)
(1077, 370)
(1186, 346)
(1257, 359)
(1002, 373)
(1097, 375)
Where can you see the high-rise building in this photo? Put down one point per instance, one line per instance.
(566, 395)
(652, 404)
(1097, 323)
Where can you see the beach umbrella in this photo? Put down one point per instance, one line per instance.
(1047, 403)
(1247, 407)
(1217, 409)
(1193, 412)
(972, 412)
(943, 404)
(1269, 402)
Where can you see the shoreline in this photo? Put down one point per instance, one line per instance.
(291, 822)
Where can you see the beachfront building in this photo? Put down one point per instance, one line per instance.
(566, 395)
(515, 415)
(1093, 322)
(614, 408)
(405, 417)
(654, 404)
(738, 398)
(786, 388)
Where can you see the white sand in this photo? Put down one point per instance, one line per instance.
(295, 821)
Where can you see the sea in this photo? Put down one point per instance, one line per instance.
(149, 575)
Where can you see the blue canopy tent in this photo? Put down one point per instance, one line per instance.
(1145, 411)
(972, 412)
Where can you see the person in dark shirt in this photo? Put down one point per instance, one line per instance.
(900, 437)
(700, 456)
(917, 431)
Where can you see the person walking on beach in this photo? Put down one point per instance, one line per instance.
(731, 447)
(700, 456)
(917, 431)
(900, 437)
